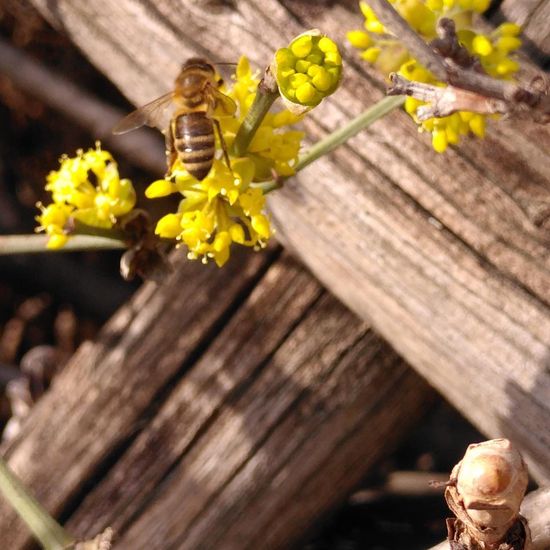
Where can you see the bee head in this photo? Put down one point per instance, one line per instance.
(198, 64)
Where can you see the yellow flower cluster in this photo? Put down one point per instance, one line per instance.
(228, 205)
(389, 55)
(309, 69)
(86, 188)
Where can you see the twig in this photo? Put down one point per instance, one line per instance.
(449, 47)
(531, 100)
(350, 129)
(338, 137)
(444, 101)
(266, 95)
(389, 17)
(30, 244)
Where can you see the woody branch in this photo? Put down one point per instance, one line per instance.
(469, 88)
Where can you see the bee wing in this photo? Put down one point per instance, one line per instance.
(223, 102)
(157, 113)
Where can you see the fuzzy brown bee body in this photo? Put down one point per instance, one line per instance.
(186, 118)
(194, 142)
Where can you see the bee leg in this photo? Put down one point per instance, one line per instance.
(171, 153)
(222, 142)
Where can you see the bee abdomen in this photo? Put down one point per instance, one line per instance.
(195, 143)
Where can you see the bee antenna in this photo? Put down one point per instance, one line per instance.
(224, 63)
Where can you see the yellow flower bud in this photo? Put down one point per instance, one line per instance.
(439, 141)
(507, 67)
(55, 242)
(159, 188)
(509, 29)
(237, 233)
(260, 224)
(477, 125)
(169, 226)
(307, 71)
(301, 46)
(306, 94)
(371, 54)
(359, 39)
(507, 44)
(482, 45)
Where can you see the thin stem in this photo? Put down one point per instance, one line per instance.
(46, 530)
(266, 95)
(29, 244)
(75, 227)
(353, 127)
(267, 186)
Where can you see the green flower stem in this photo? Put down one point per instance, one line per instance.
(75, 227)
(266, 95)
(353, 127)
(46, 530)
(29, 244)
(267, 186)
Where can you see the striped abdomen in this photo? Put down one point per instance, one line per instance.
(195, 143)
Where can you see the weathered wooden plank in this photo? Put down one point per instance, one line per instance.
(293, 432)
(254, 333)
(109, 388)
(447, 254)
(293, 383)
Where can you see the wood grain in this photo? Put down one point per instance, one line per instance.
(446, 254)
(109, 388)
(294, 387)
(277, 421)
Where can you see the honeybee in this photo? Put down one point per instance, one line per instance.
(186, 118)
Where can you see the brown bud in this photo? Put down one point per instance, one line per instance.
(488, 485)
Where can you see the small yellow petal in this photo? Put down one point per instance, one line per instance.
(482, 45)
(306, 94)
(477, 125)
(301, 47)
(55, 242)
(508, 44)
(359, 39)
(260, 224)
(237, 233)
(371, 54)
(159, 188)
(322, 80)
(509, 29)
(169, 226)
(439, 141)
(326, 45)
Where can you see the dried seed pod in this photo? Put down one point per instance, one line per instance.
(485, 493)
